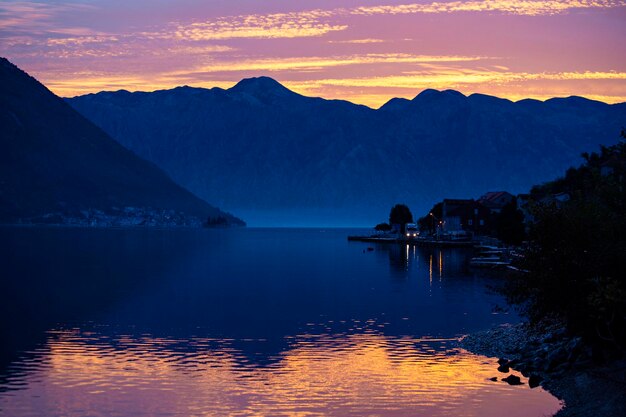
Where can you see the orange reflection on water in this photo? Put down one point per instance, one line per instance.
(430, 270)
(440, 264)
(339, 375)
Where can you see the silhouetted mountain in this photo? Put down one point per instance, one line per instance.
(282, 158)
(57, 167)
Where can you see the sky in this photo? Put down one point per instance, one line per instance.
(365, 51)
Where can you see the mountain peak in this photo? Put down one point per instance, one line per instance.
(453, 93)
(431, 93)
(395, 103)
(261, 86)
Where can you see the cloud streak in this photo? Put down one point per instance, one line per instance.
(518, 7)
(449, 78)
(269, 26)
(22, 17)
(312, 63)
(319, 22)
(359, 41)
(38, 18)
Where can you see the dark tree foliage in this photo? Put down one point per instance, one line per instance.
(400, 214)
(429, 222)
(383, 227)
(576, 260)
(510, 224)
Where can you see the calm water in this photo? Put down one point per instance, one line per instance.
(243, 323)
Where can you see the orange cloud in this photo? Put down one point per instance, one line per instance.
(278, 25)
(357, 41)
(520, 7)
(451, 77)
(310, 63)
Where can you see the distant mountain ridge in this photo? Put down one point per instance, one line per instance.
(281, 158)
(57, 167)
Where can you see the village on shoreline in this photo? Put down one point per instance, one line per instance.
(561, 247)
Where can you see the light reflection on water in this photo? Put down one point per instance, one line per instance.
(76, 373)
(243, 322)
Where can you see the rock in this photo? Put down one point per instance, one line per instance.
(575, 344)
(536, 363)
(585, 353)
(562, 367)
(513, 380)
(495, 378)
(502, 361)
(554, 336)
(503, 368)
(555, 358)
(574, 347)
(582, 363)
(522, 365)
(534, 381)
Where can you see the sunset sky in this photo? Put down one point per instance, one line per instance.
(365, 51)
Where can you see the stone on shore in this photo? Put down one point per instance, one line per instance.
(513, 380)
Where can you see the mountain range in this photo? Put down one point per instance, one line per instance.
(279, 158)
(56, 167)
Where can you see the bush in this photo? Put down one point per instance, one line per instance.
(383, 227)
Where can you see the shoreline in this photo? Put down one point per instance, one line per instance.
(560, 364)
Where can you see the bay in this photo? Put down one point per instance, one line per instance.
(245, 322)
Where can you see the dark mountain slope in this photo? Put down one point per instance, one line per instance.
(280, 157)
(56, 166)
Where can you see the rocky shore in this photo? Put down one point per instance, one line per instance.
(561, 364)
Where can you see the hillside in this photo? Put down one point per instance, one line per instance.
(56, 167)
(277, 157)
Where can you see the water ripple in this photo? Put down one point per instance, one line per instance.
(358, 374)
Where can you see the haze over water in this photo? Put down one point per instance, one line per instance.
(244, 322)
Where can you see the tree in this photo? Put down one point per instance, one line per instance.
(429, 221)
(400, 214)
(510, 224)
(383, 227)
(575, 260)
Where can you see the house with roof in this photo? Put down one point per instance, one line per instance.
(466, 214)
(496, 200)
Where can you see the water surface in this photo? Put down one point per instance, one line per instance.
(244, 322)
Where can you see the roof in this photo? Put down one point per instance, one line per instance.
(457, 201)
(495, 195)
(495, 199)
(459, 207)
